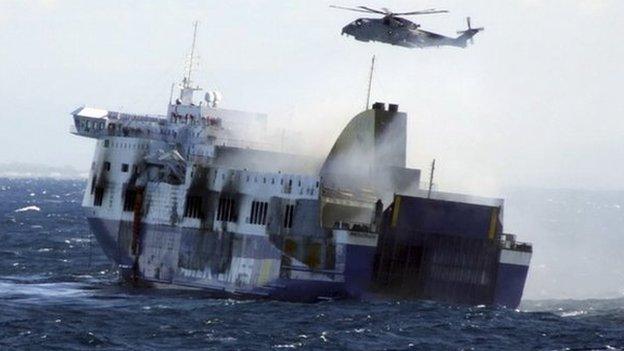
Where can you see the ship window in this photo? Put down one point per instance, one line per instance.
(288, 188)
(106, 142)
(264, 180)
(288, 216)
(93, 184)
(124, 167)
(193, 208)
(226, 211)
(107, 166)
(258, 212)
(317, 184)
(272, 180)
(98, 196)
(129, 199)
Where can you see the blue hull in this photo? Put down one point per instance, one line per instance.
(510, 284)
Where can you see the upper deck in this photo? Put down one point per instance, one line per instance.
(184, 125)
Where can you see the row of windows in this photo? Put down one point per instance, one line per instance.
(86, 124)
(287, 188)
(193, 208)
(227, 211)
(124, 167)
(258, 213)
(120, 145)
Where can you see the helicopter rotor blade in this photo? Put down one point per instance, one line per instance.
(382, 12)
(353, 9)
(421, 12)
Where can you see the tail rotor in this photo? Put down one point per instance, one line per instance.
(470, 31)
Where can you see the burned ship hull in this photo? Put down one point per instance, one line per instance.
(198, 199)
(232, 265)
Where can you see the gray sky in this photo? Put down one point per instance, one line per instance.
(534, 102)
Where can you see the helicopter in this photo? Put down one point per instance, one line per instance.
(395, 30)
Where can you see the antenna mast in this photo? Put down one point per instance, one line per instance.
(431, 178)
(370, 82)
(187, 88)
(187, 79)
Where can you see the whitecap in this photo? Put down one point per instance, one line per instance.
(573, 313)
(28, 208)
(24, 292)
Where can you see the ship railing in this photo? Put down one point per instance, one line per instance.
(86, 131)
(353, 226)
(508, 241)
(244, 144)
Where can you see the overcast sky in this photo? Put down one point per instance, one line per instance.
(536, 101)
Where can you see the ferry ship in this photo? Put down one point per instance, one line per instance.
(201, 198)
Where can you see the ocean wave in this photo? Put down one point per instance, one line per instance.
(28, 208)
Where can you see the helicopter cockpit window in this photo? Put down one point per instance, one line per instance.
(358, 22)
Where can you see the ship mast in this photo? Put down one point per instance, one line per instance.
(370, 83)
(189, 70)
(431, 178)
(187, 88)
